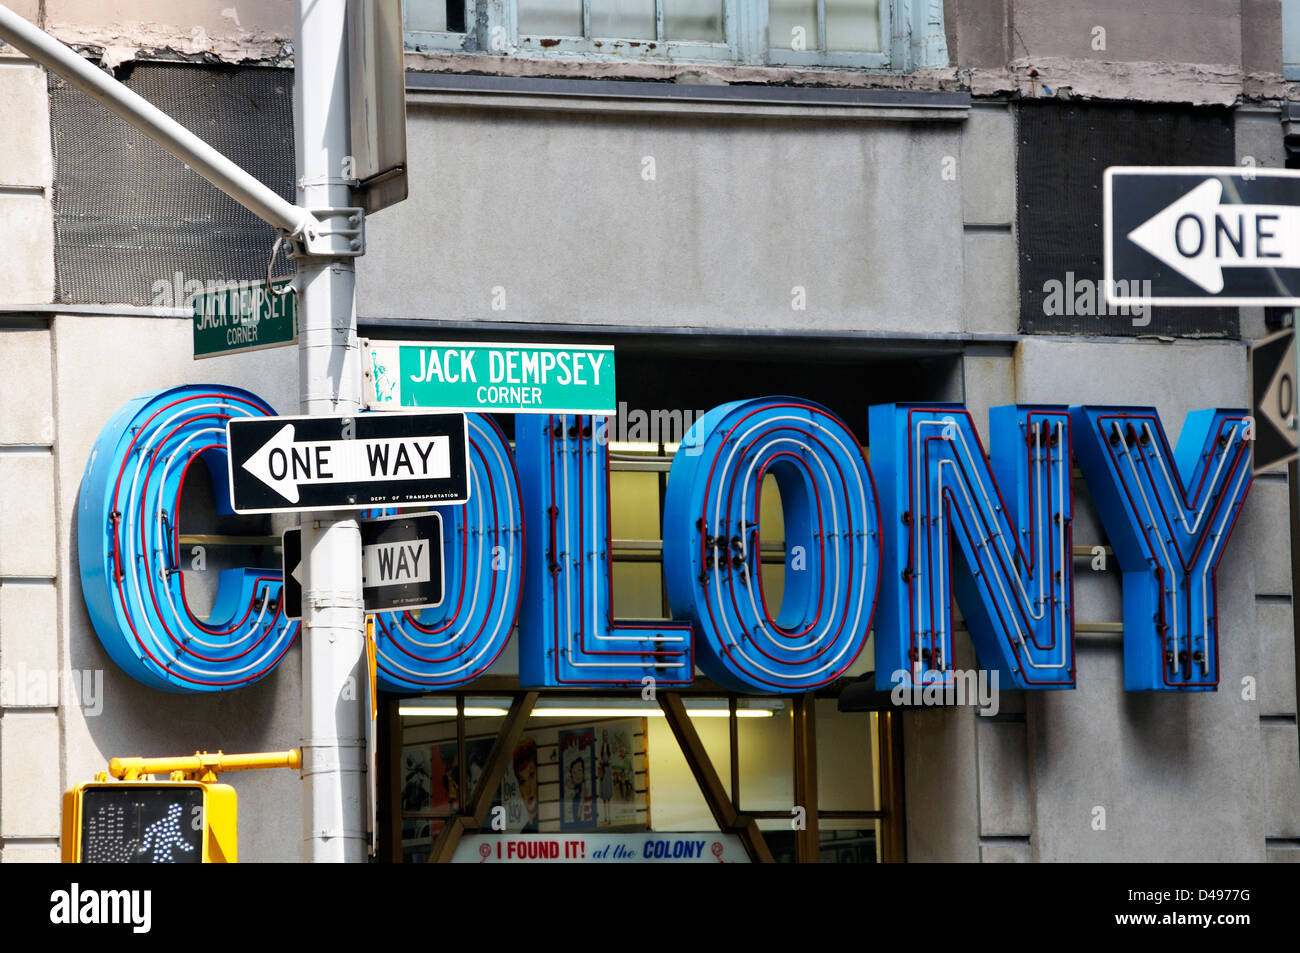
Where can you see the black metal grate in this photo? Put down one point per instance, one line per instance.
(1062, 149)
(129, 217)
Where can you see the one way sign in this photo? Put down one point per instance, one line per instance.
(1273, 384)
(401, 564)
(1202, 236)
(288, 464)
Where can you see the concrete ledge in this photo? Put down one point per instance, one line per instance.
(658, 98)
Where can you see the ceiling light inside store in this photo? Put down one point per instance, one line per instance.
(557, 708)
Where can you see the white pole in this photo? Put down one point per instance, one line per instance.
(334, 692)
(335, 696)
(259, 199)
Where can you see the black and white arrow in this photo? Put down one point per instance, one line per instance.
(284, 464)
(1198, 236)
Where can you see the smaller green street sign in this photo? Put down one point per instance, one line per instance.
(474, 376)
(244, 317)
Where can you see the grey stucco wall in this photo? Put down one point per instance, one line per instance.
(1170, 31)
(1204, 51)
(554, 209)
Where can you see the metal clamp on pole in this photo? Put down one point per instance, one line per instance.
(334, 233)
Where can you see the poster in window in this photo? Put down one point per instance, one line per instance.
(519, 789)
(416, 780)
(615, 775)
(446, 794)
(578, 779)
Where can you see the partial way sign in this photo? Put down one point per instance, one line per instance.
(1272, 384)
(244, 317)
(509, 378)
(288, 464)
(1202, 236)
(401, 564)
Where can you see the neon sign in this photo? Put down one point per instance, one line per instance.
(128, 543)
(532, 548)
(995, 531)
(711, 544)
(1168, 515)
(567, 633)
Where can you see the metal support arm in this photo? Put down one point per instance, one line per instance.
(202, 766)
(258, 198)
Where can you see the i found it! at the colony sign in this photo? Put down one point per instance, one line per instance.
(938, 518)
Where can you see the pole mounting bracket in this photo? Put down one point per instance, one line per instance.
(333, 233)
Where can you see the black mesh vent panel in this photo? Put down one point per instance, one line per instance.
(128, 215)
(1062, 149)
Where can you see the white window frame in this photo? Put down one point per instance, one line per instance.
(1290, 25)
(906, 29)
(820, 56)
(614, 48)
(443, 42)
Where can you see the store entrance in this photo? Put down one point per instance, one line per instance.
(698, 776)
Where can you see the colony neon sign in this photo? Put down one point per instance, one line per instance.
(128, 542)
(531, 549)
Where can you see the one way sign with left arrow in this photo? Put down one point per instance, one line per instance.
(289, 464)
(1202, 236)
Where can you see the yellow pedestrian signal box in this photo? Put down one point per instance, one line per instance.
(188, 819)
(150, 822)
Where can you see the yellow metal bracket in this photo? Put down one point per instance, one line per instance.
(202, 765)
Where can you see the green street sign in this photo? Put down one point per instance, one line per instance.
(244, 317)
(471, 376)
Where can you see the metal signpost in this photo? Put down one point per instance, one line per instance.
(333, 631)
(245, 317)
(505, 378)
(401, 561)
(326, 233)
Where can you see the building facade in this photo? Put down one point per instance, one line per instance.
(856, 203)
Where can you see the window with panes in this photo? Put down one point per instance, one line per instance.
(894, 35)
